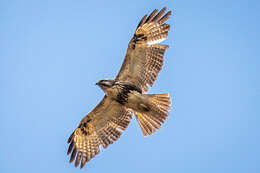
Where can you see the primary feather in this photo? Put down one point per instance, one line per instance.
(144, 56)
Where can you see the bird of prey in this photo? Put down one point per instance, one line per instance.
(125, 95)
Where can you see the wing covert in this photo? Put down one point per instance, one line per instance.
(102, 126)
(145, 57)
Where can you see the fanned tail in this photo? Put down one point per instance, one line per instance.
(153, 113)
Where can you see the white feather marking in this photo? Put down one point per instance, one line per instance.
(155, 41)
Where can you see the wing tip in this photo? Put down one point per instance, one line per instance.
(155, 16)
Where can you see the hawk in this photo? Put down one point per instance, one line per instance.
(125, 95)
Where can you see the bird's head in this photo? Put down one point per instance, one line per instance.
(105, 83)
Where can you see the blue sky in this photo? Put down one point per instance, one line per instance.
(53, 52)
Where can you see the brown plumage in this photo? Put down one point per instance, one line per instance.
(125, 95)
(144, 57)
(102, 126)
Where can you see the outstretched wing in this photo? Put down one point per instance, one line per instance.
(102, 126)
(144, 56)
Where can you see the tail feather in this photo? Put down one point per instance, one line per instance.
(158, 107)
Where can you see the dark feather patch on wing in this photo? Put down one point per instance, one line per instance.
(85, 141)
(144, 57)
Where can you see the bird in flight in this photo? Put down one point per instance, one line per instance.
(125, 95)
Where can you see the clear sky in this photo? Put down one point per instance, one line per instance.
(53, 52)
